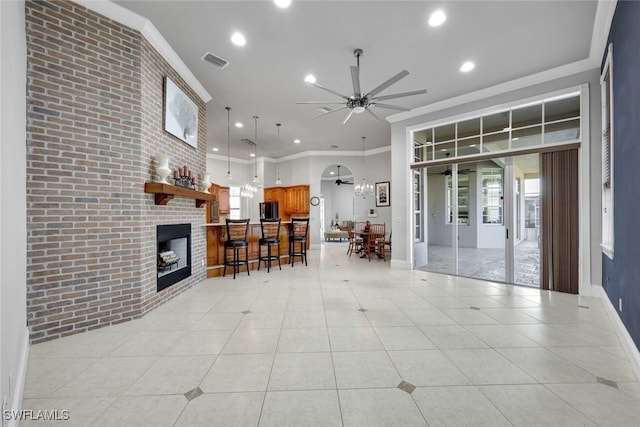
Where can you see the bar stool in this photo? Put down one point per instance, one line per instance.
(298, 236)
(270, 237)
(236, 239)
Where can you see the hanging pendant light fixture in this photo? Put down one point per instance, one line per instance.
(255, 152)
(278, 180)
(228, 143)
(363, 189)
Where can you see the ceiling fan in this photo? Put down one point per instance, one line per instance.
(449, 172)
(339, 181)
(361, 102)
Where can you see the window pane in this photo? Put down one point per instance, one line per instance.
(495, 142)
(526, 116)
(445, 133)
(468, 146)
(562, 109)
(491, 196)
(526, 137)
(469, 128)
(495, 122)
(563, 131)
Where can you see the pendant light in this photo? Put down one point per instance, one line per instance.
(363, 189)
(255, 152)
(278, 180)
(228, 143)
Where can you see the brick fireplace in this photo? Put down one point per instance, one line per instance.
(94, 133)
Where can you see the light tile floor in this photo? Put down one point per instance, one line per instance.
(344, 342)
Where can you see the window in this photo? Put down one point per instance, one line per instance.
(463, 199)
(234, 202)
(553, 120)
(418, 202)
(606, 84)
(492, 196)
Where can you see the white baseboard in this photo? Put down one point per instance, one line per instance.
(21, 376)
(627, 343)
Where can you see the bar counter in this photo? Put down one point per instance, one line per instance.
(217, 235)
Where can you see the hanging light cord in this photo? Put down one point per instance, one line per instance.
(255, 148)
(278, 150)
(228, 140)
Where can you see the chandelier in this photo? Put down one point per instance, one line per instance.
(363, 189)
(248, 190)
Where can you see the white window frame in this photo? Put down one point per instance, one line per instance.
(606, 96)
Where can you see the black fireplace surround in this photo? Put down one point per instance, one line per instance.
(176, 240)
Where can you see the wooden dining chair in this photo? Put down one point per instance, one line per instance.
(376, 241)
(355, 241)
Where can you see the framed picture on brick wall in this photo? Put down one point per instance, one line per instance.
(180, 114)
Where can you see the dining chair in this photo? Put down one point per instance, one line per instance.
(355, 241)
(375, 241)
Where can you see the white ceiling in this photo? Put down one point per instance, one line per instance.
(507, 40)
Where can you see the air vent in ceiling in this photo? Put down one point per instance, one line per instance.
(325, 109)
(215, 60)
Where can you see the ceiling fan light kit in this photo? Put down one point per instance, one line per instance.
(359, 103)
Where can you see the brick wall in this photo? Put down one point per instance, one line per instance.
(94, 130)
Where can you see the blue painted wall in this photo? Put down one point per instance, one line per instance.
(621, 276)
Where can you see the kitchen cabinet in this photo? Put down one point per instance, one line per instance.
(223, 198)
(297, 199)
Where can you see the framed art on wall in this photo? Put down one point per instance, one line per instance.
(180, 114)
(383, 194)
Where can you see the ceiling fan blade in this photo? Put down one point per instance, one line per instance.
(402, 74)
(330, 91)
(391, 107)
(347, 183)
(320, 102)
(400, 95)
(355, 79)
(372, 114)
(329, 112)
(348, 117)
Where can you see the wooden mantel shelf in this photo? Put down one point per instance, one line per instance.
(165, 192)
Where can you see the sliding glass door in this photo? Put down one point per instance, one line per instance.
(484, 220)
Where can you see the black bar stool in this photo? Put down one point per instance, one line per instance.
(236, 239)
(270, 237)
(298, 236)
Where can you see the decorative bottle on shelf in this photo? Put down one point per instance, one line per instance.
(163, 170)
(205, 183)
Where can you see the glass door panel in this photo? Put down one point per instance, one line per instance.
(526, 251)
(481, 243)
(435, 254)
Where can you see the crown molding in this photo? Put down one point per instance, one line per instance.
(131, 19)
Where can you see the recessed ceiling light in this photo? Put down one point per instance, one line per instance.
(506, 129)
(332, 173)
(437, 18)
(515, 139)
(239, 125)
(467, 66)
(216, 149)
(282, 4)
(472, 145)
(310, 78)
(238, 39)
(296, 141)
(252, 154)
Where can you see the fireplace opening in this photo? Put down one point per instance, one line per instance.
(173, 254)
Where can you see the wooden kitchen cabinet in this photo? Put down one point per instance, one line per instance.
(223, 198)
(297, 199)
